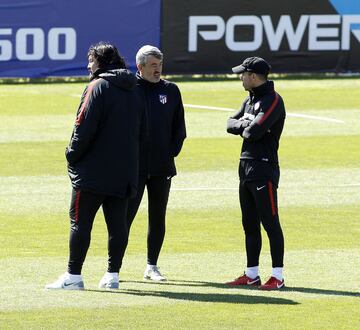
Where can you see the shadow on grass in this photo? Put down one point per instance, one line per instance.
(205, 297)
(285, 289)
(182, 283)
(322, 291)
(223, 285)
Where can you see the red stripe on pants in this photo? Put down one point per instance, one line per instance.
(272, 200)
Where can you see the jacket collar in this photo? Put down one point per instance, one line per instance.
(263, 89)
(99, 71)
(146, 83)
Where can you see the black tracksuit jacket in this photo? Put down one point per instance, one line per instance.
(164, 126)
(260, 122)
(103, 152)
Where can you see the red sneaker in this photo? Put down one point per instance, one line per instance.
(272, 284)
(245, 281)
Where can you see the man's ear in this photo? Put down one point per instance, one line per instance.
(139, 67)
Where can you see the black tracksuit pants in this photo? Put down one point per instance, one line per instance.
(83, 208)
(158, 188)
(258, 201)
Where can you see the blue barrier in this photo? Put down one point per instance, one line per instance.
(50, 37)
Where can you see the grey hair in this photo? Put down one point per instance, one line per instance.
(146, 51)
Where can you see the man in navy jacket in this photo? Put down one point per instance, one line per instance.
(165, 133)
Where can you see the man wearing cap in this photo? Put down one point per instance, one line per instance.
(259, 122)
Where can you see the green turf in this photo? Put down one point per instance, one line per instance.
(319, 198)
(299, 95)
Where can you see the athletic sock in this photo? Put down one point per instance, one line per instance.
(150, 266)
(277, 272)
(252, 272)
(75, 278)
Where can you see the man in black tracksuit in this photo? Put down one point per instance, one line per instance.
(259, 122)
(165, 127)
(102, 163)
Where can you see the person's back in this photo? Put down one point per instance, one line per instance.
(102, 160)
(111, 165)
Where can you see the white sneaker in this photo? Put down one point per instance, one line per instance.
(152, 272)
(67, 282)
(109, 281)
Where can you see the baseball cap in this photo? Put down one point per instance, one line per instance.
(253, 64)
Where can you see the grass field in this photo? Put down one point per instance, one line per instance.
(319, 202)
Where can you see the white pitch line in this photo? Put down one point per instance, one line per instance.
(299, 115)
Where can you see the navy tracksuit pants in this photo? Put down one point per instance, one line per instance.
(83, 208)
(158, 188)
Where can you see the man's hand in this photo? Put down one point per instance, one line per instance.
(237, 126)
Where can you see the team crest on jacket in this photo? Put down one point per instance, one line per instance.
(257, 105)
(163, 98)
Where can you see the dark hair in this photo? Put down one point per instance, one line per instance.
(107, 55)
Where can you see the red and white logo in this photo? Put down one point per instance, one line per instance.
(163, 98)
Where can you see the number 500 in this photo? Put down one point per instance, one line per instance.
(30, 44)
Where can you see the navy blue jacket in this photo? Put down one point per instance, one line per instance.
(164, 126)
(103, 152)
